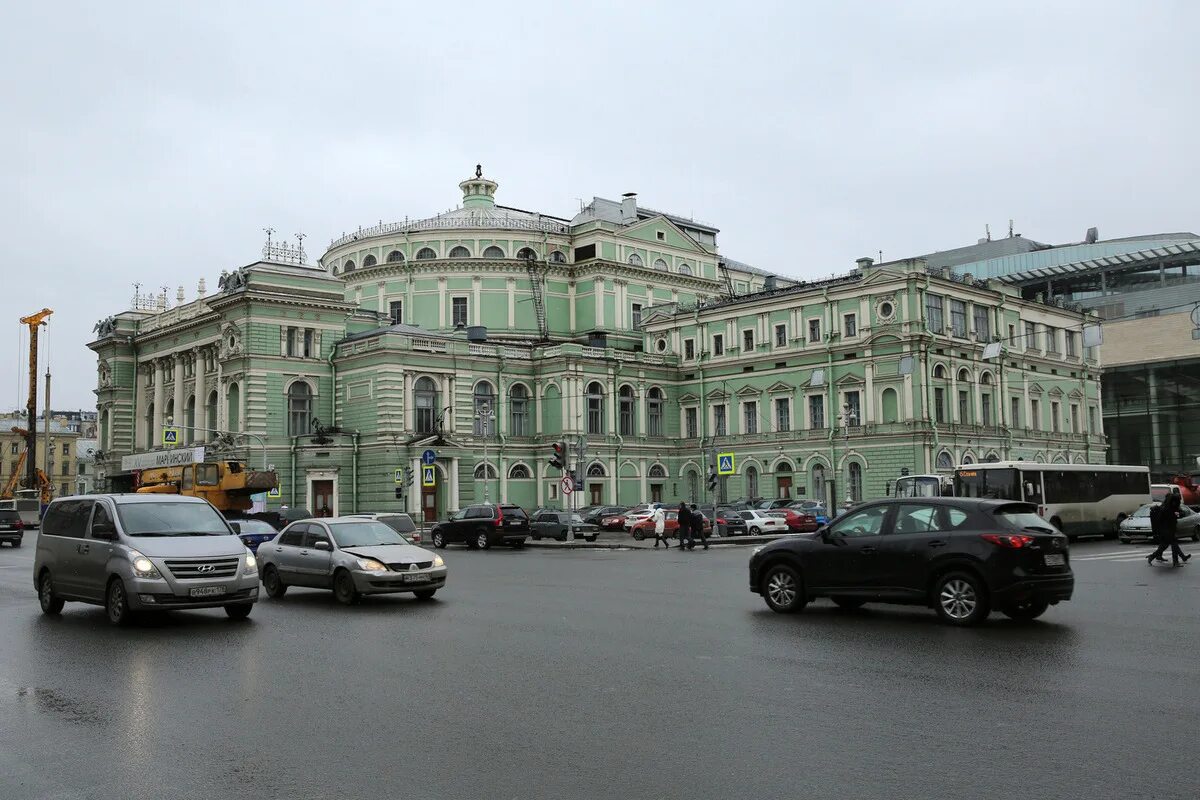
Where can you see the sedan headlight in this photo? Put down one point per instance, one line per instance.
(142, 566)
(251, 562)
(438, 561)
(371, 565)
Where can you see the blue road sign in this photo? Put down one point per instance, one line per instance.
(428, 476)
(725, 464)
(428, 458)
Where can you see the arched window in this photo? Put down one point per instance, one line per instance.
(985, 399)
(426, 253)
(659, 264)
(625, 410)
(558, 257)
(939, 372)
(485, 409)
(693, 484)
(189, 417)
(596, 470)
(369, 261)
(519, 472)
(964, 376)
(485, 472)
(855, 481)
(395, 257)
(657, 471)
(299, 398)
(493, 252)
(460, 252)
(425, 401)
(992, 458)
(104, 423)
(968, 459)
(210, 412)
(783, 479)
(595, 408)
(348, 266)
(944, 461)
(169, 417)
(818, 483)
(684, 269)
(518, 407)
(233, 408)
(526, 253)
(654, 412)
(634, 260)
(751, 483)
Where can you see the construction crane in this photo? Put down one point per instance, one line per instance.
(34, 321)
(44, 486)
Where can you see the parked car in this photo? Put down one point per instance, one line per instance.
(730, 522)
(644, 528)
(134, 552)
(638, 513)
(253, 532)
(758, 522)
(483, 525)
(12, 528)
(797, 521)
(596, 514)
(771, 505)
(813, 507)
(1137, 525)
(964, 557)
(556, 524)
(352, 556)
(401, 523)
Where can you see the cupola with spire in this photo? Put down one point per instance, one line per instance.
(478, 191)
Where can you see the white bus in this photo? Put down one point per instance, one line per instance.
(923, 486)
(1078, 499)
(28, 504)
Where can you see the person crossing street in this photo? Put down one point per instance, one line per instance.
(685, 526)
(659, 518)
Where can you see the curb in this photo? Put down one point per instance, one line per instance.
(630, 544)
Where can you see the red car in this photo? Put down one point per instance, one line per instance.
(645, 528)
(797, 521)
(612, 522)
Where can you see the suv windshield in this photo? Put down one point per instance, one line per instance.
(364, 534)
(171, 519)
(513, 511)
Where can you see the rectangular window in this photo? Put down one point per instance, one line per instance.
(983, 324)
(458, 311)
(1014, 413)
(816, 411)
(1052, 340)
(1035, 415)
(66, 468)
(636, 316)
(853, 409)
(747, 341)
(660, 235)
(1012, 335)
(985, 409)
(935, 317)
(290, 349)
(13, 449)
(308, 343)
(939, 405)
(1030, 336)
(1074, 418)
(1055, 421)
(66, 449)
(781, 335)
(814, 330)
(783, 414)
(850, 325)
(396, 312)
(718, 345)
(1091, 419)
(720, 428)
(690, 428)
(689, 349)
(964, 407)
(1072, 345)
(958, 318)
(750, 417)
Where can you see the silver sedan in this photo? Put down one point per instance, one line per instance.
(352, 556)
(1137, 525)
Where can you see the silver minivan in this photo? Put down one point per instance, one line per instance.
(137, 552)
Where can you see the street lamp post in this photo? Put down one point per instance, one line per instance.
(848, 418)
(484, 415)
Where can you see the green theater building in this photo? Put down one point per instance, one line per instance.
(488, 333)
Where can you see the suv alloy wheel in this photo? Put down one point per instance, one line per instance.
(961, 598)
(481, 539)
(439, 540)
(783, 589)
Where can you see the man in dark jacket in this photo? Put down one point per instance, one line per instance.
(698, 527)
(1168, 517)
(685, 527)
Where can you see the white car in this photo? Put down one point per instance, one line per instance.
(639, 513)
(762, 522)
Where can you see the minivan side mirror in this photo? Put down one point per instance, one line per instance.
(237, 527)
(104, 530)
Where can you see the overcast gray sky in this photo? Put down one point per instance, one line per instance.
(151, 142)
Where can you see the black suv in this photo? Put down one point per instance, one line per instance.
(481, 526)
(962, 557)
(12, 528)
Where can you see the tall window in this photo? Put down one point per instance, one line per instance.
(691, 428)
(750, 417)
(485, 409)
(689, 349)
(1030, 336)
(595, 408)
(783, 414)
(654, 412)
(290, 344)
(751, 482)
(814, 331)
(233, 407)
(818, 482)
(299, 408)
(958, 318)
(855, 481)
(1074, 418)
(1055, 418)
(518, 409)
(854, 409)
(983, 325)
(720, 428)
(1051, 340)
(458, 311)
(718, 344)
(189, 420)
(939, 405)
(1091, 422)
(816, 411)
(308, 343)
(964, 407)
(1014, 412)
(850, 324)
(636, 315)
(748, 341)
(985, 399)
(396, 311)
(934, 314)
(210, 411)
(1072, 344)
(781, 335)
(1035, 415)
(425, 403)
(625, 403)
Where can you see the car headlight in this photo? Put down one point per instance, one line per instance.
(142, 566)
(438, 561)
(371, 565)
(251, 562)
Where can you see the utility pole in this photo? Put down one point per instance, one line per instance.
(34, 323)
(46, 441)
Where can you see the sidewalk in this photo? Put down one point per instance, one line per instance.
(623, 541)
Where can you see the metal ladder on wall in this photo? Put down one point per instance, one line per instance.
(539, 305)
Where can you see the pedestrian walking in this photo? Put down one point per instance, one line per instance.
(1165, 530)
(698, 527)
(685, 525)
(659, 520)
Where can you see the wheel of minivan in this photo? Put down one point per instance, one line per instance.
(274, 584)
(51, 603)
(481, 539)
(1026, 609)
(783, 590)
(116, 603)
(239, 610)
(343, 588)
(439, 540)
(961, 598)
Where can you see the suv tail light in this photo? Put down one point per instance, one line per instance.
(1011, 540)
(20, 524)
(499, 516)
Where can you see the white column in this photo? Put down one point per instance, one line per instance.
(475, 319)
(640, 399)
(540, 476)
(408, 401)
(380, 286)
(441, 302)
(179, 401)
(644, 483)
(502, 474)
(610, 406)
(868, 405)
(512, 303)
(612, 480)
(201, 419)
(598, 296)
(452, 481)
(159, 377)
(571, 303)
(449, 393)
(414, 492)
(139, 427)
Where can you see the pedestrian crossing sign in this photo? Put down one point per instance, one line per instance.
(170, 437)
(725, 463)
(399, 476)
(275, 494)
(428, 476)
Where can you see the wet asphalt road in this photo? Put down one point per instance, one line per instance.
(607, 674)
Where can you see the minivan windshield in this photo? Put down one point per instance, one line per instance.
(367, 533)
(171, 519)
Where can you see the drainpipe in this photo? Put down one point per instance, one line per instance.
(499, 435)
(828, 317)
(354, 475)
(333, 385)
(293, 480)
(617, 432)
(926, 377)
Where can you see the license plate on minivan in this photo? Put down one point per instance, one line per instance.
(1055, 560)
(206, 591)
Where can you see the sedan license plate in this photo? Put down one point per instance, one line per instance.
(1055, 560)
(418, 578)
(206, 591)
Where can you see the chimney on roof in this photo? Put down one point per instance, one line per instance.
(629, 208)
(1093, 236)
(864, 263)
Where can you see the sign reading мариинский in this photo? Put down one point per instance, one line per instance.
(162, 458)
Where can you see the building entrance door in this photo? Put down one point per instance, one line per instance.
(783, 486)
(656, 492)
(596, 490)
(322, 499)
(429, 504)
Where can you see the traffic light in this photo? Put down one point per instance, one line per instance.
(712, 478)
(559, 459)
(399, 492)
(408, 478)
